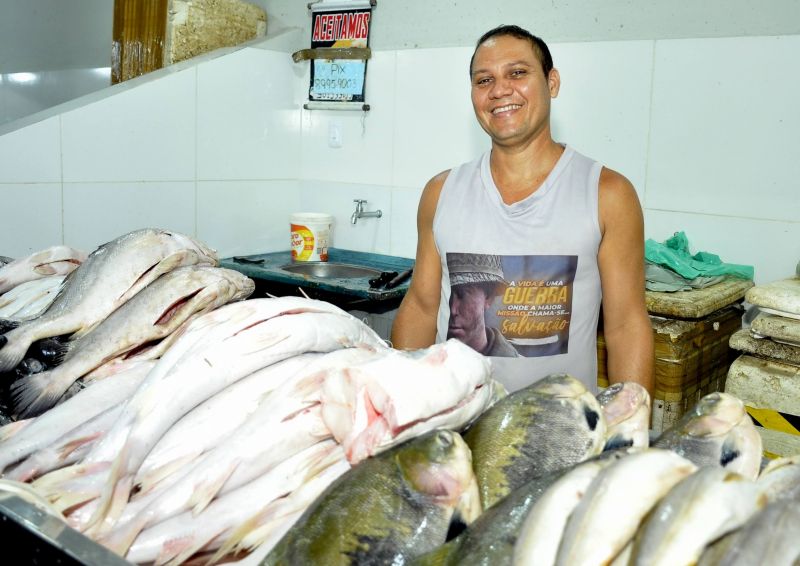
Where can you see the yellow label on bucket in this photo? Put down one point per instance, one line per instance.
(307, 246)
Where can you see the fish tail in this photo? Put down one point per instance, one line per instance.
(234, 542)
(13, 346)
(152, 478)
(35, 394)
(111, 488)
(209, 488)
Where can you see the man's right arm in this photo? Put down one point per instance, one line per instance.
(415, 324)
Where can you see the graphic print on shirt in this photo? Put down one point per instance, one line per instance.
(511, 306)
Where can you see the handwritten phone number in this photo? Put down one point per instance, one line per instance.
(334, 83)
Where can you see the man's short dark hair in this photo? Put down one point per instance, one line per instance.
(539, 46)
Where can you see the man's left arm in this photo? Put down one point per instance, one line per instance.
(626, 326)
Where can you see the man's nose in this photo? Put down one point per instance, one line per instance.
(500, 87)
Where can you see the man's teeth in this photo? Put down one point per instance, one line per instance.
(506, 108)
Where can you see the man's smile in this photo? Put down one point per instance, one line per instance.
(506, 108)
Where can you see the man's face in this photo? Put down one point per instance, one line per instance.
(510, 94)
(467, 306)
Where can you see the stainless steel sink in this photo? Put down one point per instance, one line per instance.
(328, 270)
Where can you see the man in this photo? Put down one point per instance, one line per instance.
(475, 281)
(564, 226)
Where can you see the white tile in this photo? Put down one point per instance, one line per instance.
(366, 152)
(32, 221)
(95, 213)
(435, 127)
(31, 154)
(725, 127)
(369, 234)
(404, 221)
(248, 117)
(246, 217)
(771, 247)
(603, 107)
(146, 133)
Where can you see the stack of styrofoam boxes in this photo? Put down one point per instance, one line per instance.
(766, 377)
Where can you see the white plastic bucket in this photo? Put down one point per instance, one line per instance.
(310, 236)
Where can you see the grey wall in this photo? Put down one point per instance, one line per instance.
(405, 24)
(49, 35)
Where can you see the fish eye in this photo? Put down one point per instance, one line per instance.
(444, 438)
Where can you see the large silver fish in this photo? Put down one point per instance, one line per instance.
(626, 407)
(109, 277)
(56, 260)
(698, 510)
(551, 424)
(152, 314)
(717, 431)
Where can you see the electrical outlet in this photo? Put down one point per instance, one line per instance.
(334, 134)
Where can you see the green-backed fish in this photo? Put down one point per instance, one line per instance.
(389, 508)
(716, 432)
(547, 426)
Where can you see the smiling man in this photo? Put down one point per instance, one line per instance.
(567, 232)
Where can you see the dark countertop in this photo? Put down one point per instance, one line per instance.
(354, 287)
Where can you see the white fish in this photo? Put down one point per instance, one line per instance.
(369, 405)
(177, 538)
(73, 412)
(615, 503)
(540, 534)
(218, 354)
(780, 479)
(209, 423)
(28, 300)
(698, 510)
(626, 407)
(151, 315)
(111, 275)
(56, 260)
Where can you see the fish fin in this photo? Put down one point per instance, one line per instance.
(73, 445)
(186, 547)
(12, 352)
(37, 393)
(44, 269)
(59, 480)
(234, 542)
(9, 430)
(110, 487)
(121, 538)
(209, 488)
(149, 480)
(67, 501)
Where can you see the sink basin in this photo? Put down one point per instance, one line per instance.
(327, 270)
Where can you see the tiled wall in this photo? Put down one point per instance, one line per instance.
(704, 128)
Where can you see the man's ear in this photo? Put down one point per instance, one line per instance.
(554, 82)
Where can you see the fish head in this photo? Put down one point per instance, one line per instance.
(621, 401)
(438, 465)
(560, 385)
(206, 255)
(714, 415)
(742, 449)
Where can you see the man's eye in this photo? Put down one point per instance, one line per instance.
(517, 73)
(483, 81)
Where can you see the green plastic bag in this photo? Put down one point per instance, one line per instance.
(674, 254)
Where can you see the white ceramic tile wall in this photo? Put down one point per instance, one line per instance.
(435, 127)
(369, 234)
(772, 247)
(95, 213)
(404, 221)
(724, 136)
(603, 107)
(367, 151)
(146, 133)
(32, 154)
(31, 218)
(248, 118)
(246, 217)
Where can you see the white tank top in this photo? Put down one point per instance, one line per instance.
(545, 303)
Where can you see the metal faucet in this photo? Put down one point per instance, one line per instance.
(359, 212)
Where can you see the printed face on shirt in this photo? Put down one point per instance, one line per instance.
(510, 93)
(468, 303)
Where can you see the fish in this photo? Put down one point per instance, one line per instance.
(626, 407)
(152, 314)
(696, 511)
(769, 537)
(28, 300)
(615, 503)
(492, 539)
(217, 349)
(539, 535)
(717, 431)
(388, 508)
(111, 275)
(388, 398)
(239, 511)
(549, 425)
(55, 260)
(780, 479)
(47, 428)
